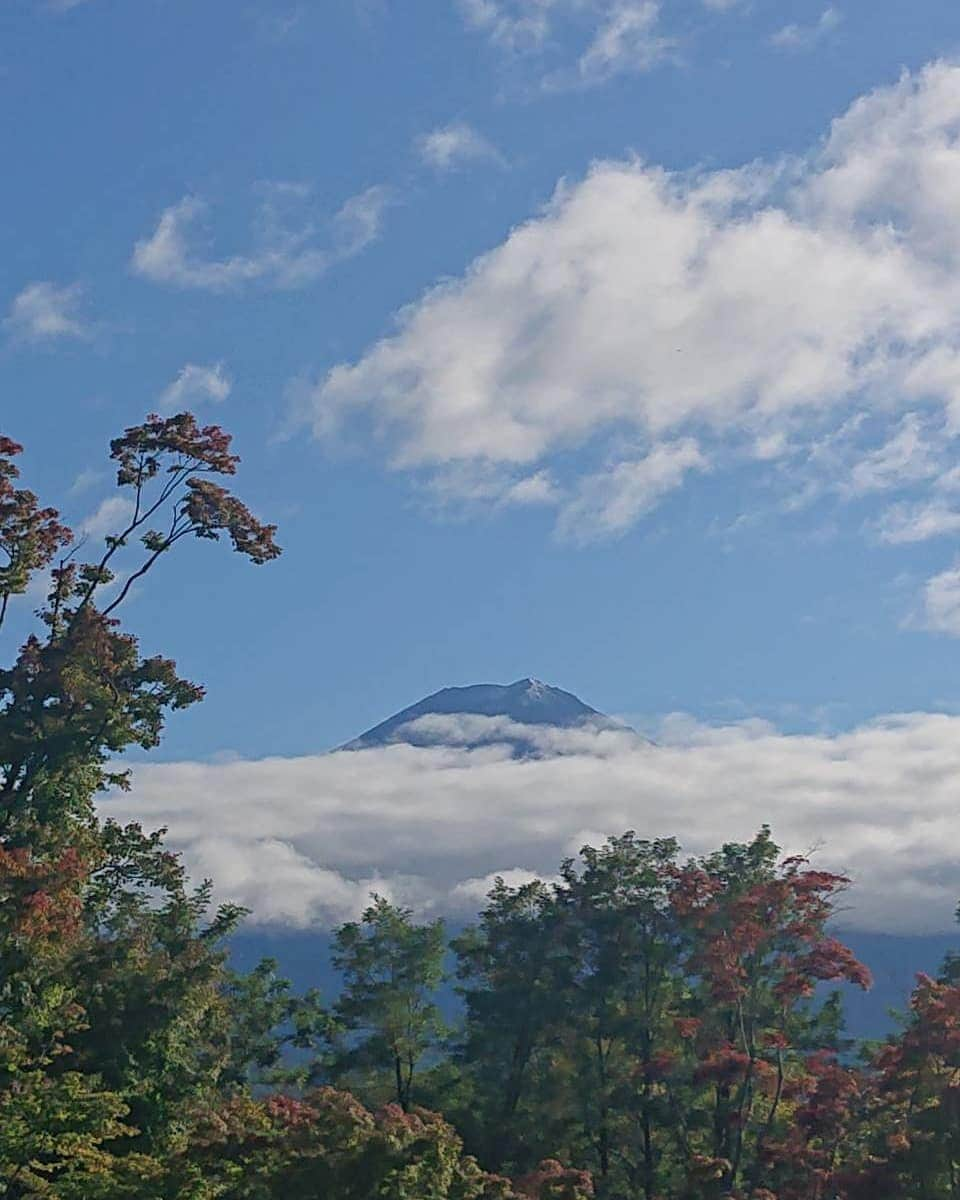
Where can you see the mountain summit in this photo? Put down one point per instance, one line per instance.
(487, 711)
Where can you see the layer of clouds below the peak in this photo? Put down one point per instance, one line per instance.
(801, 315)
(303, 841)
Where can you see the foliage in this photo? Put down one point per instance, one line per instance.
(391, 967)
(325, 1143)
(654, 1020)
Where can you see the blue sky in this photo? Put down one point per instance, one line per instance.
(560, 337)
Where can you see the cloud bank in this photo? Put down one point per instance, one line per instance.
(303, 841)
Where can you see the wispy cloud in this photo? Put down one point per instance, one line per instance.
(45, 311)
(610, 37)
(291, 247)
(195, 384)
(912, 522)
(805, 37)
(941, 602)
(86, 480)
(610, 502)
(109, 517)
(629, 40)
(455, 145)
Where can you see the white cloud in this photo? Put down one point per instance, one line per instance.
(289, 249)
(451, 146)
(628, 40)
(45, 311)
(475, 486)
(605, 37)
(805, 37)
(110, 517)
(473, 892)
(291, 837)
(913, 452)
(749, 310)
(85, 480)
(610, 502)
(941, 602)
(918, 522)
(193, 385)
(512, 23)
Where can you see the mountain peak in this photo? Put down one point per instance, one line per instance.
(527, 701)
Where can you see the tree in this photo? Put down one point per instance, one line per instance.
(656, 1022)
(756, 1050)
(625, 993)
(391, 967)
(911, 1123)
(514, 971)
(113, 1016)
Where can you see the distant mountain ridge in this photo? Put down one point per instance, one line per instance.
(525, 702)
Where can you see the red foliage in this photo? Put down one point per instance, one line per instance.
(30, 536)
(552, 1181)
(141, 449)
(42, 899)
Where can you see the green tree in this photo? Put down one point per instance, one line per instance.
(391, 969)
(514, 970)
(268, 1021)
(625, 998)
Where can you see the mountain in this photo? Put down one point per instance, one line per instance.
(485, 714)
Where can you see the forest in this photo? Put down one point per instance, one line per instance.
(642, 1026)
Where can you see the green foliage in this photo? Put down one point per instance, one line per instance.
(268, 1021)
(391, 967)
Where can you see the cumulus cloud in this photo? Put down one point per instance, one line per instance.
(45, 311)
(805, 37)
(290, 249)
(450, 146)
(804, 312)
(195, 384)
(304, 840)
